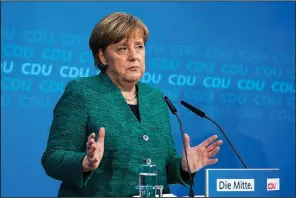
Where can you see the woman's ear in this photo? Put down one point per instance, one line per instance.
(102, 57)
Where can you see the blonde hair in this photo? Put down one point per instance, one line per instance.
(112, 29)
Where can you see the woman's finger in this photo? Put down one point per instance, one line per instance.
(214, 152)
(90, 143)
(212, 161)
(93, 160)
(101, 135)
(214, 145)
(91, 151)
(91, 136)
(208, 141)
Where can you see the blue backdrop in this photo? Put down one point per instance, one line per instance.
(234, 60)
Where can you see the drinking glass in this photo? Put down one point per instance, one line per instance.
(147, 180)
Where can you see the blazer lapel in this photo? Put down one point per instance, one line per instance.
(113, 94)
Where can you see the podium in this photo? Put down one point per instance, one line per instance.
(242, 183)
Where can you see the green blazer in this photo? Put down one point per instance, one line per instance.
(90, 103)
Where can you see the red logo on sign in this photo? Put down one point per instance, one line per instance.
(271, 186)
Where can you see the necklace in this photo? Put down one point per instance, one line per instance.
(130, 99)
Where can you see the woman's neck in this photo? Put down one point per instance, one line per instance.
(127, 89)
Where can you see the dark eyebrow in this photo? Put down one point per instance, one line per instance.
(124, 42)
(139, 42)
(121, 43)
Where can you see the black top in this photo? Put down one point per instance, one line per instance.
(135, 110)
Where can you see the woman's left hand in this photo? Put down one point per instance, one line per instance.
(200, 155)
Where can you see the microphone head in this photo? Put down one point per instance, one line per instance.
(170, 105)
(193, 109)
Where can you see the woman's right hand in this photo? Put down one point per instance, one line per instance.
(95, 151)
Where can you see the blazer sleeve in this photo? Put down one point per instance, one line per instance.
(62, 159)
(175, 173)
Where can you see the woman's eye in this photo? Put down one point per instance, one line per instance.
(140, 46)
(122, 49)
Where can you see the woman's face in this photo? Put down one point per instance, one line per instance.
(126, 59)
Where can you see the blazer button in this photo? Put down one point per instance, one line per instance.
(148, 161)
(145, 137)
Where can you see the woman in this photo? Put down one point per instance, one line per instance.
(132, 119)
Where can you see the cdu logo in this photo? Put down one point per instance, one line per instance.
(273, 184)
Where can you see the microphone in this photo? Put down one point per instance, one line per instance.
(174, 111)
(203, 115)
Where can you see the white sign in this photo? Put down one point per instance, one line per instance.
(235, 185)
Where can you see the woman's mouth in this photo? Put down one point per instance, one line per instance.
(134, 68)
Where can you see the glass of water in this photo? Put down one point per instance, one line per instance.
(149, 191)
(147, 180)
